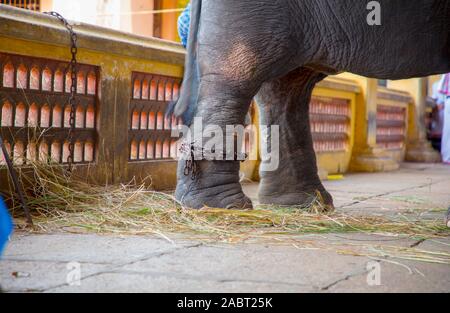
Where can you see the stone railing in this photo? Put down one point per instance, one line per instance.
(392, 121)
(332, 119)
(124, 84)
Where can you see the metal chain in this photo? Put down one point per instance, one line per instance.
(197, 153)
(73, 87)
(190, 165)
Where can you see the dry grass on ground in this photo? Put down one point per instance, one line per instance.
(61, 203)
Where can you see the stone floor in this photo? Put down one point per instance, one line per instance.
(45, 263)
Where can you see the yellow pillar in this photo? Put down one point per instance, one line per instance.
(366, 156)
(169, 21)
(418, 149)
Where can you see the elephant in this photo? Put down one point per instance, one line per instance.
(275, 51)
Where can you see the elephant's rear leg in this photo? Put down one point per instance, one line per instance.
(285, 102)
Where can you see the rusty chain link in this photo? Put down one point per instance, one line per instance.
(190, 165)
(194, 154)
(73, 86)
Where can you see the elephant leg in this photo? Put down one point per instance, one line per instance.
(285, 102)
(237, 50)
(216, 184)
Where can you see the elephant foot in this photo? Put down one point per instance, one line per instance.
(230, 198)
(217, 186)
(314, 197)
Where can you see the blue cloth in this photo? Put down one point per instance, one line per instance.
(6, 225)
(183, 25)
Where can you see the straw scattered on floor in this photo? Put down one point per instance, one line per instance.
(60, 203)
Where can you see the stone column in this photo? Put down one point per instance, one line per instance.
(169, 21)
(418, 149)
(367, 157)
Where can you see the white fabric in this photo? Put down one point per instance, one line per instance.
(437, 96)
(444, 84)
(445, 144)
